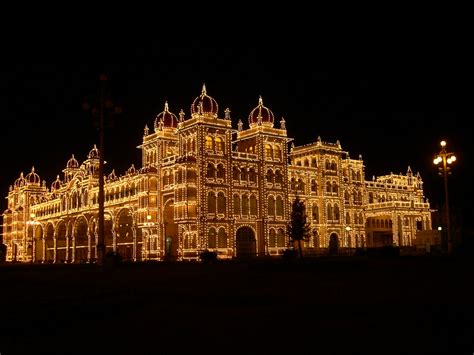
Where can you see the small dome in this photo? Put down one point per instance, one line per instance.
(261, 115)
(166, 119)
(94, 153)
(204, 105)
(72, 163)
(20, 181)
(56, 185)
(33, 178)
(131, 170)
(112, 175)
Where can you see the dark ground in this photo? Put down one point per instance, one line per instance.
(346, 305)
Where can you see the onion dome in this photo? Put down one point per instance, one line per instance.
(72, 163)
(204, 105)
(166, 119)
(56, 185)
(131, 170)
(261, 115)
(112, 175)
(33, 178)
(94, 153)
(20, 181)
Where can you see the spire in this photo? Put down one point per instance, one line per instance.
(240, 125)
(181, 115)
(260, 100)
(166, 106)
(282, 123)
(145, 130)
(203, 92)
(33, 169)
(227, 114)
(409, 172)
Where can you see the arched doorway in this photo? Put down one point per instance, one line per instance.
(124, 234)
(61, 242)
(170, 230)
(81, 240)
(38, 244)
(333, 244)
(246, 243)
(49, 241)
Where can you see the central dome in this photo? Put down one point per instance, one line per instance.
(261, 115)
(204, 104)
(166, 119)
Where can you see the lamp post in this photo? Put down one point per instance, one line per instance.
(446, 159)
(100, 111)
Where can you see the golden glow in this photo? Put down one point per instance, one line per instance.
(453, 158)
(443, 143)
(348, 228)
(440, 228)
(148, 217)
(32, 215)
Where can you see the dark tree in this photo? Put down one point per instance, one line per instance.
(298, 228)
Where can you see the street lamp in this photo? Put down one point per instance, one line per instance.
(444, 170)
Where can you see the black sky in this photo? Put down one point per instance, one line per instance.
(388, 96)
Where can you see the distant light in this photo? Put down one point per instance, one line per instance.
(435, 161)
(440, 228)
(443, 143)
(453, 158)
(32, 215)
(148, 217)
(348, 228)
(449, 160)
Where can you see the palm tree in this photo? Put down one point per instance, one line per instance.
(298, 228)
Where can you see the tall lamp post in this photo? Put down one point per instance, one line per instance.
(446, 159)
(105, 106)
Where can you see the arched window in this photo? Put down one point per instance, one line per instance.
(348, 218)
(315, 213)
(209, 143)
(306, 162)
(336, 213)
(270, 176)
(335, 188)
(280, 238)
(245, 205)
(220, 203)
(278, 177)
(243, 174)
(300, 185)
(220, 171)
(211, 202)
(252, 175)
(361, 219)
(211, 238)
(276, 152)
(219, 145)
(279, 206)
(371, 197)
(268, 151)
(293, 183)
(359, 176)
(353, 175)
(347, 197)
(333, 165)
(221, 238)
(237, 204)
(235, 173)
(359, 197)
(314, 162)
(211, 171)
(253, 205)
(329, 212)
(272, 240)
(271, 206)
(314, 186)
(328, 165)
(328, 186)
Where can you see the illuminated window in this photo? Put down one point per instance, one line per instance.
(220, 203)
(280, 238)
(314, 186)
(219, 145)
(221, 238)
(209, 143)
(268, 151)
(279, 206)
(277, 152)
(329, 212)
(315, 213)
(272, 240)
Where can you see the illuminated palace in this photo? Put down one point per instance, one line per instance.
(205, 185)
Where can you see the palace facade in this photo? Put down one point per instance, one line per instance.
(205, 185)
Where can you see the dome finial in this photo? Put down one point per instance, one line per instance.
(203, 90)
(166, 106)
(33, 169)
(95, 147)
(260, 100)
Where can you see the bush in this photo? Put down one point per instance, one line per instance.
(208, 256)
(290, 254)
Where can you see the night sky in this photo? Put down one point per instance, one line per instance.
(390, 98)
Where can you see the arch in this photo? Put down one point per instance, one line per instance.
(301, 185)
(336, 213)
(328, 186)
(348, 218)
(329, 212)
(38, 235)
(278, 177)
(221, 203)
(211, 202)
(49, 243)
(333, 244)
(221, 238)
(315, 213)
(81, 240)
(359, 177)
(212, 238)
(245, 205)
(268, 151)
(219, 144)
(272, 239)
(293, 183)
(235, 173)
(253, 205)
(61, 243)
(281, 240)
(314, 186)
(335, 188)
(306, 162)
(236, 204)
(252, 175)
(211, 171)
(170, 230)
(220, 171)
(271, 205)
(209, 143)
(124, 233)
(276, 152)
(314, 162)
(246, 244)
(279, 206)
(270, 176)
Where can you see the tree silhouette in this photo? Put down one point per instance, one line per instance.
(298, 228)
